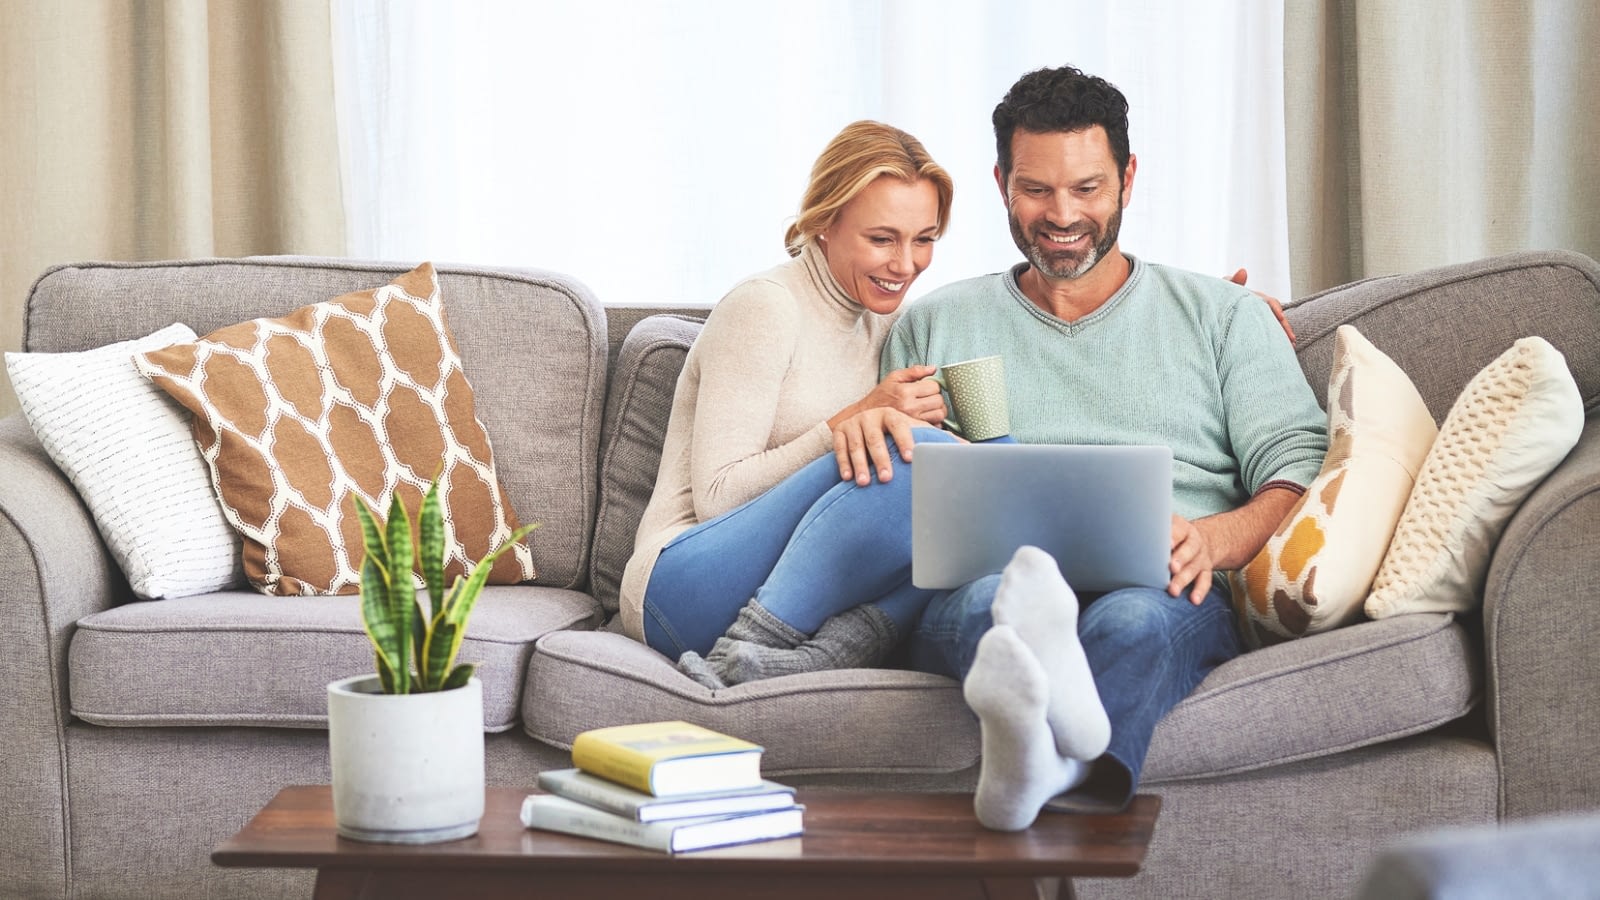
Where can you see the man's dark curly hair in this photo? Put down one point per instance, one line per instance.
(1064, 99)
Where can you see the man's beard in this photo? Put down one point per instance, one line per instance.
(1066, 263)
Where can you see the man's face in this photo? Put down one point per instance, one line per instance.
(1065, 199)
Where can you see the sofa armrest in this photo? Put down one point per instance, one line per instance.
(54, 570)
(1541, 626)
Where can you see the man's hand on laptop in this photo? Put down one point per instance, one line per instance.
(859, 445)
(1191, 561)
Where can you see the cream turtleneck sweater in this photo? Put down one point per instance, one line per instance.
(780, 354)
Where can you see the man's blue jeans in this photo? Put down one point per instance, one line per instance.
(811, 547)
(1147, 651)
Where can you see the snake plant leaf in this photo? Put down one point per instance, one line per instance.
(464, 595)
(430, 544)
(439, 652)
(459, 676)
(402, 596)
(385, 674)
(381, 630)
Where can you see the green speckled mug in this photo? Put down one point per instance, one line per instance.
(975, 394)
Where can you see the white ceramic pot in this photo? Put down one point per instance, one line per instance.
(407, 768)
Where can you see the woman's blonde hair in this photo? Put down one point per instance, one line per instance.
(852, 160)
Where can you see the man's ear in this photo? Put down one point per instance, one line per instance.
(1127, 179)
(1000, 180)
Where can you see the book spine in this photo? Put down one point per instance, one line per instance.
(586, 792)
(613, 763)
(596, 824)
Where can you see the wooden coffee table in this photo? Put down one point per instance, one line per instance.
(857, 845)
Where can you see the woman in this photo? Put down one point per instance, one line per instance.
(783, 359)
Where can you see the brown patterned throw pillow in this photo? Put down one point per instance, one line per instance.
(363, 394)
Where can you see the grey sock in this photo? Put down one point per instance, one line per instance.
(858, 637)
(701, 670)
(753, 627)
(757, 626)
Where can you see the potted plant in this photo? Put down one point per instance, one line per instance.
(406, 743)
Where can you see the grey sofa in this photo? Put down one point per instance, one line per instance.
(137, 735)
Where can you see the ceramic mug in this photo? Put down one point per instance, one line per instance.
(976, 398)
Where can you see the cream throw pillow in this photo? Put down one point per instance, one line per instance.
(362, 395)
(1315, 571)
(1513, 423)
(128, 450)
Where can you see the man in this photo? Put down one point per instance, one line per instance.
(1104, 348)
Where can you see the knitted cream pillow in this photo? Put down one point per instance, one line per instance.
(1513, 423)
(129, 451)
(1315, 571)
(363, 395)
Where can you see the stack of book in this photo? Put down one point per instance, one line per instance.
(671, 786)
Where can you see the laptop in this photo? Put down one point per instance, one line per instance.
(1103, 512)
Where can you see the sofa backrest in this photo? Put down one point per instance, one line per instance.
(533, 344)
(644, 377)
(1443, 325)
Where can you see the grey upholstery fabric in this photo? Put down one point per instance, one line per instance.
(241, 658)
(638, 402)
(53, 569)
(1305, 830)
(1557, 856)
(1443, 325)
(1541, 618)
(533, 345)
(1348, 688)
(895, 721)
(1351, 687)
(152, 803)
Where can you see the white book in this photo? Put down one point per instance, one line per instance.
(576, 784)
(554, 813)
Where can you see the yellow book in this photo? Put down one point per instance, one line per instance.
(666, 759)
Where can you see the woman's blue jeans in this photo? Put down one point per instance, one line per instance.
(811, 547)
(1147, 651)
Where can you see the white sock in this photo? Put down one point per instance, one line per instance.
(1038, 604)
(1020, 770)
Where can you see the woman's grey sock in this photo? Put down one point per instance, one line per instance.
(858, 637)
(753, 627)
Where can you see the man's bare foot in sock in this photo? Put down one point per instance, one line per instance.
(1020, 770)
(1039, 605)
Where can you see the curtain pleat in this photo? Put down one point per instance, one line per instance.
(148, 130)
(1421, 134)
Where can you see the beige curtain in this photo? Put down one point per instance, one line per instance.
(162, 129)
(1426, 132)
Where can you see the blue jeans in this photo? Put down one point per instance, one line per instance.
(1147, 651)
(811, 547)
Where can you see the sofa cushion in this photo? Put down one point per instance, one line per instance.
(239, 658)
(1352, 687)
(1316, 569)
(1320, 695)
(1515, 421)
(129, 451)
(638, 402)
(362, 396)
(533, 345)
(845, 720)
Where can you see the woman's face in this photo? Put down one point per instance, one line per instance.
(882, 240)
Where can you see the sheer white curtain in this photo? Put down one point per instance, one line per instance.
(657, 151)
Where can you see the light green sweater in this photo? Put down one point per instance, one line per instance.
(1174, 357)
